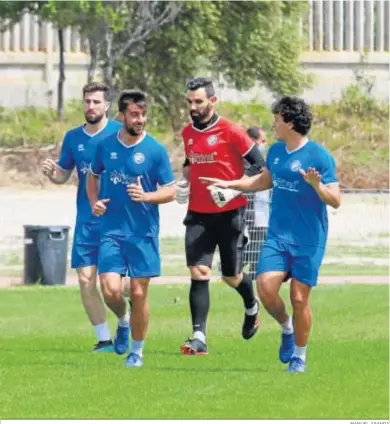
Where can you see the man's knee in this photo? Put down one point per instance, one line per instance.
(139, 290)
(299, 295)
(87, 278)
(268, 285)
(111, 289)
(200, 272)
(233, 281)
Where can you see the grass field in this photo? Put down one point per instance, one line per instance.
(47, 370)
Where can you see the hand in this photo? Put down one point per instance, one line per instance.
(49, 167)
(222, 196)
(100, 207)
(215, 182)
(136, 191)
(182, 191)
(312, 177)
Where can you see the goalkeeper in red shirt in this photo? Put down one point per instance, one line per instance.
(214, 147)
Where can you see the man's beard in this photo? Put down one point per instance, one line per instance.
(201, 116)
(94, 120)
(131, 131)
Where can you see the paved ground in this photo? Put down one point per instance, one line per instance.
(361, 219)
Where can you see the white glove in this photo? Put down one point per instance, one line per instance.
(182, 191)
(222, 196)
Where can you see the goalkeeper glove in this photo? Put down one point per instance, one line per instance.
(222, 196)
(182, 191)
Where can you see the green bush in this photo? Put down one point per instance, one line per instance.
(355, 129)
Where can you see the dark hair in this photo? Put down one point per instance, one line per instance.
(201, 82)
(254, 132)
(296, 111)
(93, 87)
(127, 97)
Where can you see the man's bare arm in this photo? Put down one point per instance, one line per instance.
(55, 174)
(246, 184)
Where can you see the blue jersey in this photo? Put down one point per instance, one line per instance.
(147, 159)
(77, 149)
(298, 214)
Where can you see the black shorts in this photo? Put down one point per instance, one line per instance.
(206, 231)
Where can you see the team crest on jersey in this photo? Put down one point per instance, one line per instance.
(139, 158)
(276, 161)
(80, 147)
(212, 140)
(295, 166)
(190, 142)
(113, 155)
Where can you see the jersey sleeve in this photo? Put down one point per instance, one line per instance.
(241, 140)
(183, 136)
(328, 169)
(164, 170)
(268, 158)
(66, 160)
(97, 165)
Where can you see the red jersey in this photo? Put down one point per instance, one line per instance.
(217, 151)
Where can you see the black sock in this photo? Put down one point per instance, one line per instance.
(245, 289)
(199, 304)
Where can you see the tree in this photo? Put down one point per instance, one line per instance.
(117, 28)
(244, 42)
(11, 12)
(62, 14)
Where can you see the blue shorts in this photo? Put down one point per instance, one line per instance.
(303, 262)
(85, 247)
(132, 256)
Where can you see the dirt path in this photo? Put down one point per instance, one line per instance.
(366, 279)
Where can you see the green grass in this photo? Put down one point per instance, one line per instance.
(48, 371)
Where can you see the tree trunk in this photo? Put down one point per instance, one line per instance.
(109, 62)
(61, 77)
(94, 53)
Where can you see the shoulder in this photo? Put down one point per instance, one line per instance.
(114, 125)
(319, 151)
(107, 141)
(187, 129)
(154, 145)
(74, 133)
(276, 147)
(230, 126)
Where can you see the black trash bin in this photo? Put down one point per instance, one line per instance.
(45, 254)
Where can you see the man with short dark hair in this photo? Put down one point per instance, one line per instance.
(303, 176)
(139, 178)
(77, 151)
(214, 147)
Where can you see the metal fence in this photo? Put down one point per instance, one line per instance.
(358, 242)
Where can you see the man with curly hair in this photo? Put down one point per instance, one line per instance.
(302, 174)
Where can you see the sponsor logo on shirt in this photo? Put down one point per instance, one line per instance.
(117, 177)
(202, 158)
(282, 184)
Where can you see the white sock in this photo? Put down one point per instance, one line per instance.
(124, 321)
(300, 352)
(253, 310)
(102, 332)
(287, 327)
(137, 347)
(200, 336)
